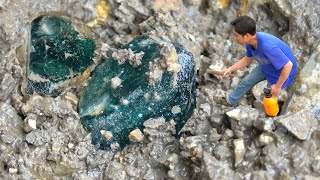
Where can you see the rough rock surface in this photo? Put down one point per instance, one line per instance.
(299, 124)
(59, 147)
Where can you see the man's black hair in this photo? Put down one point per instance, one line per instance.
(244, 25)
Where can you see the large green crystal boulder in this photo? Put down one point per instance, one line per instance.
(148, 78)
(57, 53)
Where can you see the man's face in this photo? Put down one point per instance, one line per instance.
(241, 39)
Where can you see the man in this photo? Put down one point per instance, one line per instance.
(276, 62)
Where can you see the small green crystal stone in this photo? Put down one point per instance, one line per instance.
(121, 109)
(57, 54)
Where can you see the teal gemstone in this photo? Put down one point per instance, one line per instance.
(57, 53)
(102, 107)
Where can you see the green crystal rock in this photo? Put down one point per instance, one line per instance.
(122, 95)
(58, 53)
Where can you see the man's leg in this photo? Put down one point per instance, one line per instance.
(253, 78)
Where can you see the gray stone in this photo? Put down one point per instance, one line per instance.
(214, 136)
(258, 104)
(265, 124)
(239, 151)
(152, 174)
(193, 146)
(274, 161)
(154, 123)
(10, 125)
(228, 134)
(308, 177)
(206, 108)
(300, 124)
(116, 170)
(315, 166)
(222, 152)
(301, 19)
(30, 123)
(266, 138)
(157, 130)
(252, 153)
(300, 159)
(9, 139)
(214, 169)
(90, 174)
(56, 157)
(38, 137)
(13, 170)
(7, 84)
(202, 126)
(133, 172)
(306, 95)
(169, 160)
(218, 119)
(258, 175)
(245, 115)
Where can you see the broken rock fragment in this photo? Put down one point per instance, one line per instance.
(30, 123)
(239, 151)
(300, 124)
(136, 136)
(243, 115)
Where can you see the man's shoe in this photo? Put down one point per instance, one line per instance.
(221, 100)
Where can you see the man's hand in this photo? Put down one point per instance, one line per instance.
(245, 61)
(226, 72)
(275, 90)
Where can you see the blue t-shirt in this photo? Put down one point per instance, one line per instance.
(272, 54)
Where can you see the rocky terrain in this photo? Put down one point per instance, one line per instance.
(41, 137)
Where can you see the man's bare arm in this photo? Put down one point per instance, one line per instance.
(285, 72)
(245, 61)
